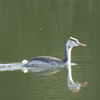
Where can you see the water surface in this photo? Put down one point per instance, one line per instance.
(32, 28)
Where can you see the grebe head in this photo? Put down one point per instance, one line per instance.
(74, 42)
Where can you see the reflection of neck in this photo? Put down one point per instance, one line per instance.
(69, 79)
(67, 59)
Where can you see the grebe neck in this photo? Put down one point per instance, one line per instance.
(67, 59)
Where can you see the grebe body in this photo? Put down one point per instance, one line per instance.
(52, 61)
(43, 61)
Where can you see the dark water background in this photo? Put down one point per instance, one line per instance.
(30, 28)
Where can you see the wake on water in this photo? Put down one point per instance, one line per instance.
(35, 70)
(10, 67)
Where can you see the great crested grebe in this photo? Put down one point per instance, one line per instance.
(47, 61)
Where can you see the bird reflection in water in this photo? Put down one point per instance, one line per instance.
(73, 86)
(42, 70)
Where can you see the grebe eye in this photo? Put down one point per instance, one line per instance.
(75, 41)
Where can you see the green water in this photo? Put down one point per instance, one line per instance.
(30, 28)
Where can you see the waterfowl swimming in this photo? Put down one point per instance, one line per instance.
(47, 61)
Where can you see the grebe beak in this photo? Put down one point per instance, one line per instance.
(81, 44)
